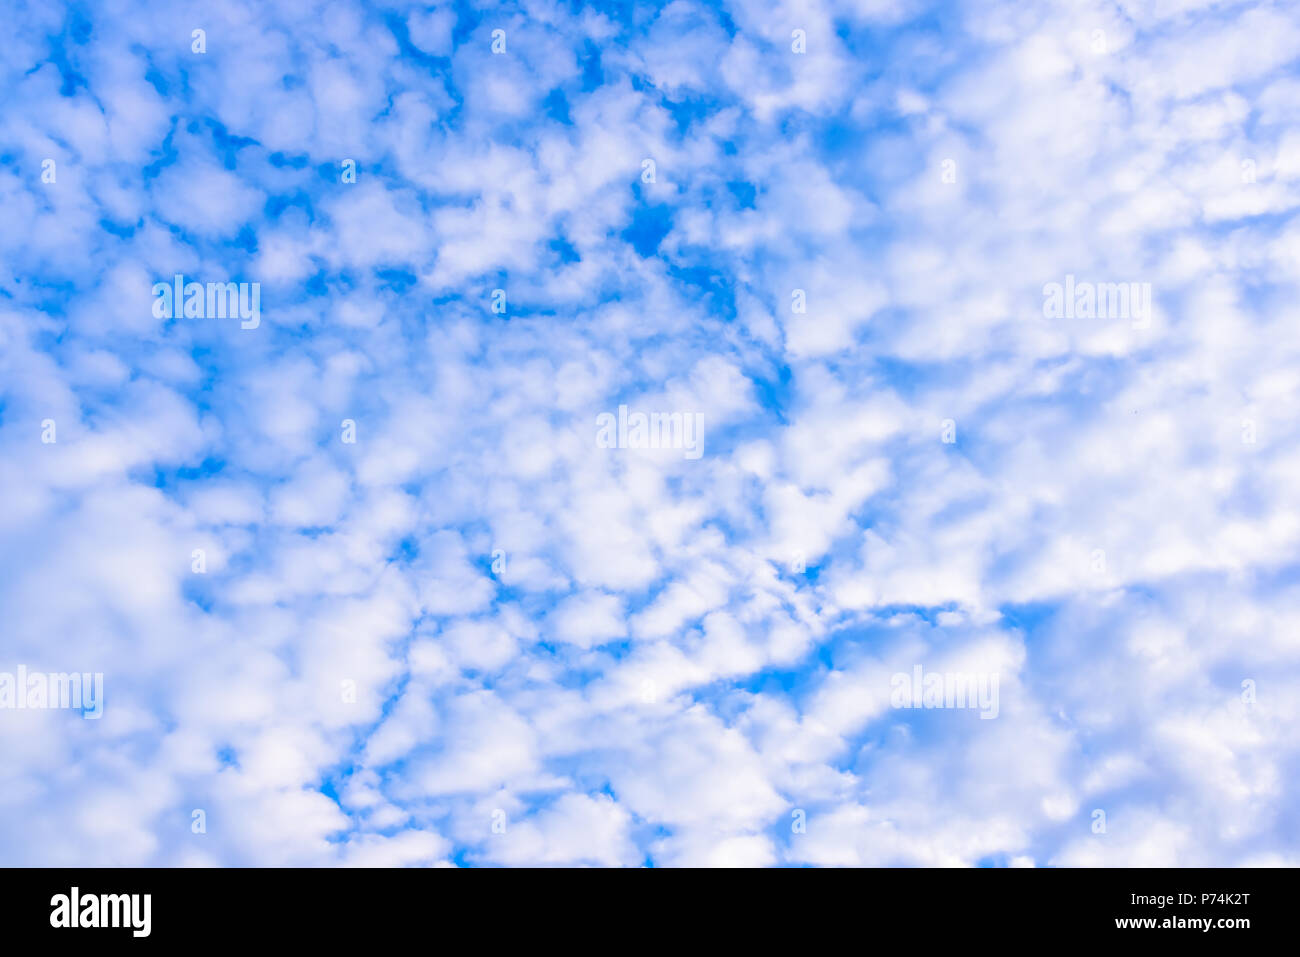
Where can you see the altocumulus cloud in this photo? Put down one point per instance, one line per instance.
(365, 587)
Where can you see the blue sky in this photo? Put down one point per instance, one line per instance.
(366, 588)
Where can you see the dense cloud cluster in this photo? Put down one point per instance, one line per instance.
(475, 635)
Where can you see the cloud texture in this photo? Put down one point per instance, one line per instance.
(473, 635)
